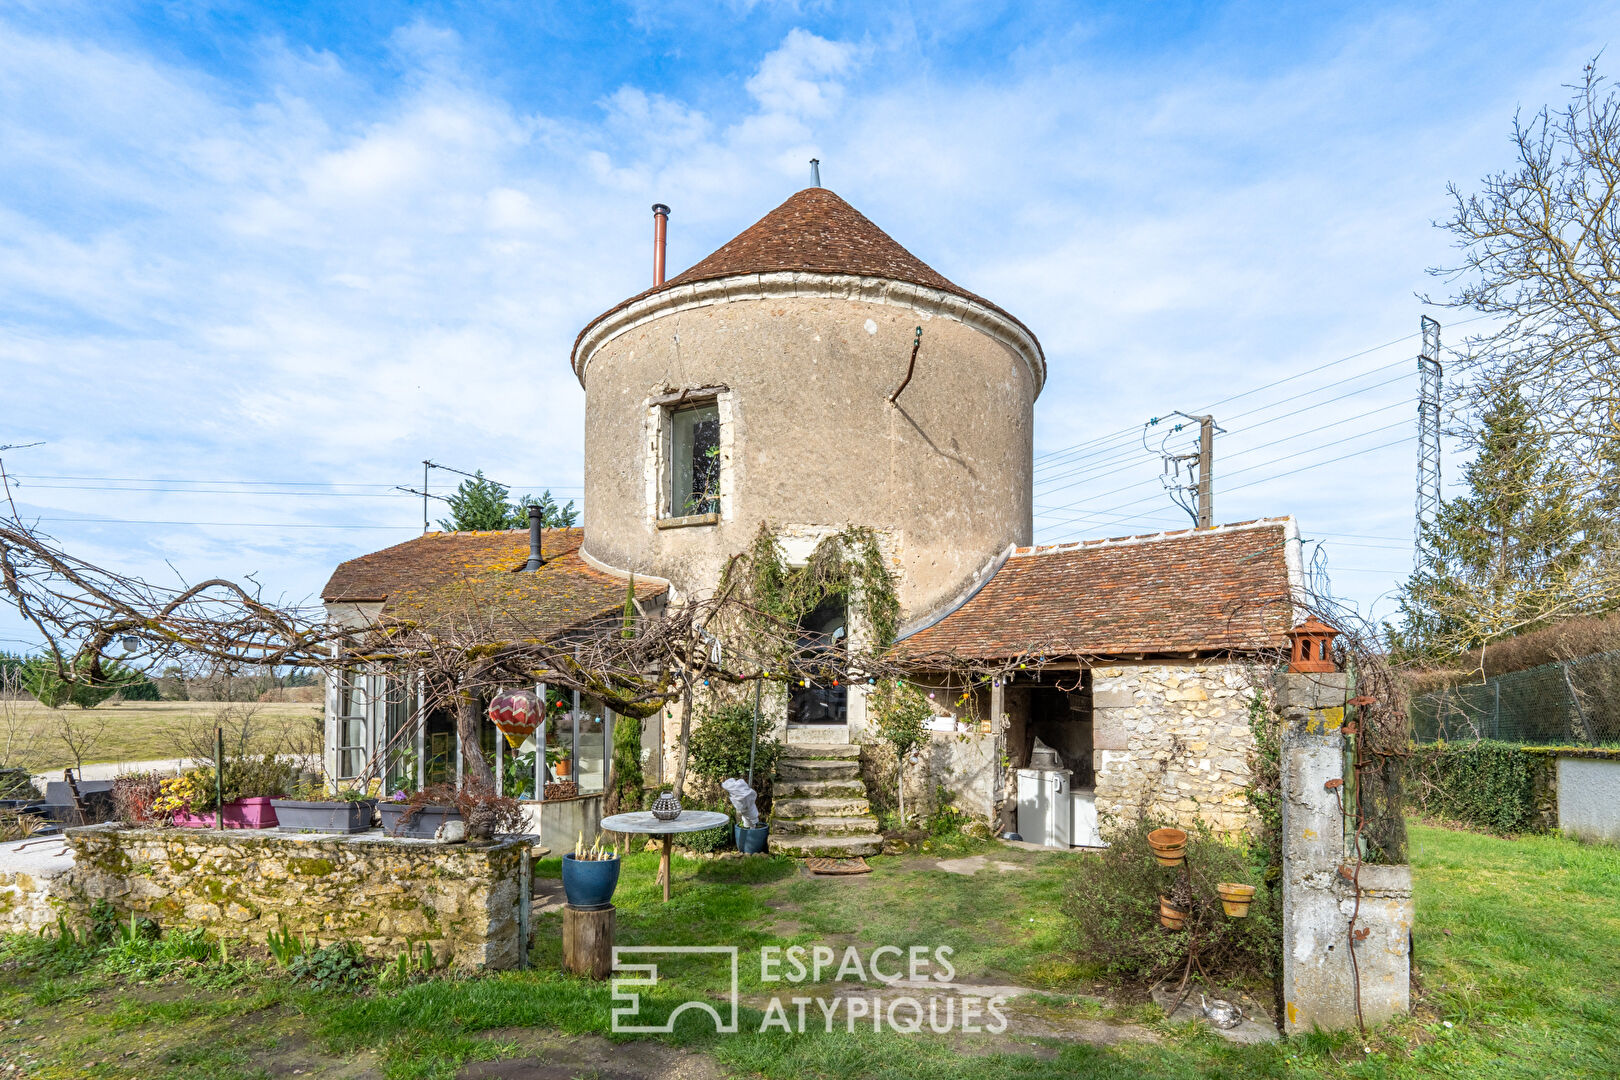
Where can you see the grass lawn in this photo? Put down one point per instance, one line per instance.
(143, 730)
(1518, 950)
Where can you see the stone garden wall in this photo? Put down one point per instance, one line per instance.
(384, 895)
(25, 901)
(1173, 741)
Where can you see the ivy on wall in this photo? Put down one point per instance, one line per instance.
(848, 565)
(1488, 784)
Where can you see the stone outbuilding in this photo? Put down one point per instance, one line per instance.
(1135, 659)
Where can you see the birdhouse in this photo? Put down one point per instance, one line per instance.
(1311, 646)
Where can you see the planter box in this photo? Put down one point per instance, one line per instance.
(254, 813)
(294, 815)
(422, 825)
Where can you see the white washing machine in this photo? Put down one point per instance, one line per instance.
(1045, 814)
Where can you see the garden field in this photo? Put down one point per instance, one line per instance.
(131, 731)
(1517, 957)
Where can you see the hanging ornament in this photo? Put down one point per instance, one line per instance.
(516, 714)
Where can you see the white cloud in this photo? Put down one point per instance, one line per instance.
(330, 283)
(804, 76)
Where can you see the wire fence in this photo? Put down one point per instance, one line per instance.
(1570, 703)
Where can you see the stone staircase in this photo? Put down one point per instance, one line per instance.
(819, 803)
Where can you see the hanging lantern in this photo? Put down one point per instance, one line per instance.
(515, 714)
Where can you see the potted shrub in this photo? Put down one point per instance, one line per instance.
(484, 812)
(312, 809)
(251, 785)
(590, 874)
(557, 759)
(415, 815)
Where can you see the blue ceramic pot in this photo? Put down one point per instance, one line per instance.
(751, 841)
(589, 883)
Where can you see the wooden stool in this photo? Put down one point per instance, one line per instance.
(588, 941)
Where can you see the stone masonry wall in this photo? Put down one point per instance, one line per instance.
(385, 895)
(1173, 741)
(25, 902)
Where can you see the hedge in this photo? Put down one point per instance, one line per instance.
(1497, 786)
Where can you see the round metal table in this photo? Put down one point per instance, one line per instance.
(644, 822)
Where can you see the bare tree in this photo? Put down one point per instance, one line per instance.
(1540, 256)
(81, 733)
(19, 731)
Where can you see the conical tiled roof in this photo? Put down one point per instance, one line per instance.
(817, 231)
(814, 231)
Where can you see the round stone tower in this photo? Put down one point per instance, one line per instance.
(760, 387)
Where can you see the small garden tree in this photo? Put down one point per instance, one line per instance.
(482, 504)
(720, 746)
(902, 714)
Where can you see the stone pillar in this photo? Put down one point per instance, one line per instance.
(1114, 712)
(1318, 895)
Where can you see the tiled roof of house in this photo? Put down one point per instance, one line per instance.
(1206, 590)
(813, 231)
(476, 578)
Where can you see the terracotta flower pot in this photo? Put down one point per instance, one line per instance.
(1170, 916)
(562, 768)
(1169, 846)
(1235, 898)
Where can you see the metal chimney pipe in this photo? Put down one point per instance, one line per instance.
(536, 558)
(815, 172)
(660, 238)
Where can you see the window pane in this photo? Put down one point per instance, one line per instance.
(694, 482)
(588, 769)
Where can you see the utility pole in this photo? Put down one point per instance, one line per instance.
(1200, 487)
(1206, 472)
(426, 465)
(1428, 462)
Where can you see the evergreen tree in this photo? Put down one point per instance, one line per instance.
(478, 504)
(40, 678)
(1511, 553)
(552, 516)
(481, 504)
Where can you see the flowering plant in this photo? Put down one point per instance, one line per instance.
(176, 793)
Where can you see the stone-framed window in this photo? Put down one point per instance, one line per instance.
(688, 458)
(692, 484)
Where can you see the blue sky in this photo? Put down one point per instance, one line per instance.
(258, 261)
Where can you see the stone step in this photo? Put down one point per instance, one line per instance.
(825, 751)
(809, 809)
(843, 825)
(826, 847)
(818, 789)
(817, 769)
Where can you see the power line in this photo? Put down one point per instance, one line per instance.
(1251, 468)
(1304, 408)
(1254, 449)
(1266, 386)
(224, 524)
(1046, 461)
(244, 483)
